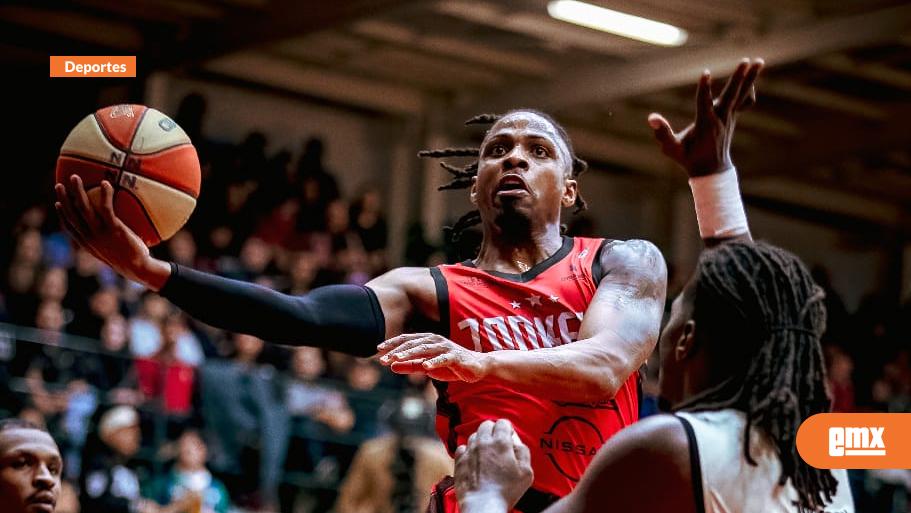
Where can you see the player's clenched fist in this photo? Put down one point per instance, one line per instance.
(493, 470)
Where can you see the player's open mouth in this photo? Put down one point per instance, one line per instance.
(511, 185)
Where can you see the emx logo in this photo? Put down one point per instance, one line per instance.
(856, 440)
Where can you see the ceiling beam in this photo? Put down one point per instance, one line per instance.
(840, 63)
(822, 99)
(598, 84)
(292, 76)
(277, 20)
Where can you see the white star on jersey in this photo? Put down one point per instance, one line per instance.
(534, 300)
(554, 299)
(515, 304)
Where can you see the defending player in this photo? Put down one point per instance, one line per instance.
(579, 315)
(742, 367)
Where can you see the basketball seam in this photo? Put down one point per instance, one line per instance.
(136, 130)
(156, 152)
(173, 186)
(107, 136)
(144, 210)
(93, 161)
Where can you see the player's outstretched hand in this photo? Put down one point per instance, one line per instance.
(493, 470)
(704, 147)
(434, 355)
(97, 229)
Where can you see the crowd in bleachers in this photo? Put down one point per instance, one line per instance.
(125, 381)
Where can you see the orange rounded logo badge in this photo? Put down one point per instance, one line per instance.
(856, 440)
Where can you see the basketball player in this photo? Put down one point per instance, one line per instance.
(741, 367)
(30, 468)
(542, 329)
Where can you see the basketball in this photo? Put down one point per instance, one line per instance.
(149, 160)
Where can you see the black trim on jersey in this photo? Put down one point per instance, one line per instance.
(442, 290)
(451, 411)
(695, 467)
(534, 271)
(535, 501)
(597, 268)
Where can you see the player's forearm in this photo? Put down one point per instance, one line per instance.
(345, 318)
(581, 371)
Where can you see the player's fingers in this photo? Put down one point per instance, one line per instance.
(68, 226)
(747, 95)
(107, 197)
(523, 454)
(459, 452)
(662, 130)
(503, 429)
(704, 105)
(396, 341)
(74, 218)
(408, 350)
(485, 431)
(83, 204)
(402, 345)
(421, 351)
(731, 90)
(439, 361)
(409, 367)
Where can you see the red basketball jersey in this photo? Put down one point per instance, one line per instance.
(541, 308)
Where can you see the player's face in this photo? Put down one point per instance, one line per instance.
(674, 345)
(30, 468)
(524, 168)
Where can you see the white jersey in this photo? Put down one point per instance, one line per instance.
(730, 484)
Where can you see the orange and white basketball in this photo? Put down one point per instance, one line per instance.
(149, 160)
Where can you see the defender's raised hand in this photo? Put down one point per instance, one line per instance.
(704, 147)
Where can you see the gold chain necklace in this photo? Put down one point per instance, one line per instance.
(523, 267)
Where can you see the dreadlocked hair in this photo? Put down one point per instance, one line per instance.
(766, 296)
(462, 176)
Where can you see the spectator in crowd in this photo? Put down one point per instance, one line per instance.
(147, 330)
(113, 373)
(166, 376)
(319, 414)
(395, 472)
(370, 226)
(363, 377)
(302, 272)
(110, 480)
(56, 380)
(841, 385)
(242, 405)
(190, 480)
(30, 468)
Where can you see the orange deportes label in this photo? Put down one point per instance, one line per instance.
(856, 440)
(93, 66)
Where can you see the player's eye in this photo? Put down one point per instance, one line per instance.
(540, 151)
(20, 463)
(497, 150)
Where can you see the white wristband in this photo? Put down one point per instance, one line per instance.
(719, 208)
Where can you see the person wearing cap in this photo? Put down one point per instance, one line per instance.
(109, 481)
(30, 468)
(396, 472)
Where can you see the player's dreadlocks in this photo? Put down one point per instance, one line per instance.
(462, 176)
(765, 312)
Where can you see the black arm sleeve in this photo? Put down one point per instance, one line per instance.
(345, 318)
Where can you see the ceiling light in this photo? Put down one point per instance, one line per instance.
(621, 24)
